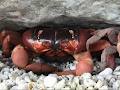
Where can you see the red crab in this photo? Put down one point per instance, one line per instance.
(58, 45)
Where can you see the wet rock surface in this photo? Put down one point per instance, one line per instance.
(82, 13)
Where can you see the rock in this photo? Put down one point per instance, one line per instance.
(2, 65)
(116, 85)
(73, 86)
(89, 83)
(14, 88)
(80, 87)
(76, 80)
(106, 72)
(117, 71)
(109, 77)
(60, 85)
(50, 81)
(30, 13)
(66, 88)
(105, 87)
(99, 84)
(27, 79)
(86, 76)
(90, 88)
(23, 86)
(3, 86)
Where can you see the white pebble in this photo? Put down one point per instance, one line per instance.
(105, 87)
(99, 84)
(18, 79)
(80, 87)
(86, 76)
(14, 88)
(76, 80)
(2, 65)
(89, 83)
(66, 88)
(50, 81)
(108, 77)
(106, 72)
(60, 85)
(112, 80)
(53, 75)
(117, 71)
(3, 86)
(90, 88)
(23, 86)
(73, 85)
(27, 79)
(116, 85)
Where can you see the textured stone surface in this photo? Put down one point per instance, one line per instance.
(65, 12)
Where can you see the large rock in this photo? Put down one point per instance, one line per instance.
(30, 13)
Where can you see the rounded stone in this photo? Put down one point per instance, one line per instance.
(50, 81)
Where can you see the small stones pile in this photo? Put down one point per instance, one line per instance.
(12, 78)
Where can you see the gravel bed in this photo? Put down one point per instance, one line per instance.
(12, 78)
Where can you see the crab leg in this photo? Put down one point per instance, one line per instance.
(21, 59)
(118, 44)
(6, 46)
(97, 35)
(107, 57)
(85, 64)
(8, 38)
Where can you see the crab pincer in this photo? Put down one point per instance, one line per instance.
(21, 59)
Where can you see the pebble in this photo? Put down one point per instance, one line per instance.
(106, 72)
(99, 84)
(105, 87)
(90, 88)
(80, 87)
(12, 78)
(27, 79)
(50, 81)
(116, 85)
(117, 71)
(60, 84)
(86, 76)
(89, 83)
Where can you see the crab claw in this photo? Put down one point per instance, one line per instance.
(107, 57)
(21, 59)
(85, 63)
(20, 56)
(111, 33)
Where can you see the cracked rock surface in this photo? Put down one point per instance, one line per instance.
(33, 12)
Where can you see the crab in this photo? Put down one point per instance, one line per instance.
(57, 45)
